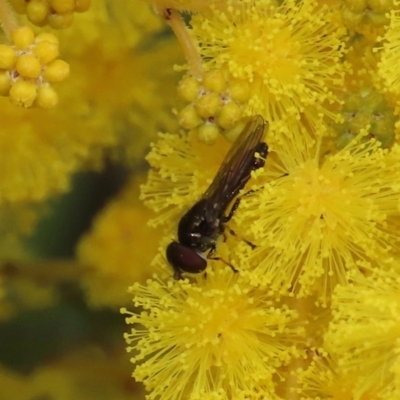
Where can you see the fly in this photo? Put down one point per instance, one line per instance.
(200, 227)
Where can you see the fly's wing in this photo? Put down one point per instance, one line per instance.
(236, 168)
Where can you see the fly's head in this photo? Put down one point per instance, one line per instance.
(185, 259)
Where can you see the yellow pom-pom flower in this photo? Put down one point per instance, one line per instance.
(325, 217)
(208, 133)
(356, 14)
(188, 88)
(188, 118)
(118, 249)
(30, 65)
(8, 57)
(59, 14)
(22, 37)
(216, 338)
(37, 11)
(390, 58)
(82, 5)
(46, 51)
(104, 371)
(324, 379)
(23, 93)
(214, 81)
(229, 115)
(56, 71)
(47, 97)
(366, 107)
(215, 104)
(111, 98)
(290, 56)
(364, 334)
(60, 21)
(62, 6)
(207, 105)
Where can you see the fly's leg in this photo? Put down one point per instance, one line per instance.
(233, 233)
(227, 218)
(177, 275)
(210, 256)
(248, 193)
(225, 262)
(232, 211)
(251, 191)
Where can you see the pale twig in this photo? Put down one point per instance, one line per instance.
(174, 20)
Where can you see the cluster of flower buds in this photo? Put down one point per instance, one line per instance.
(28, 67)
(355, 14)
(215, 104)
(369, 109)
(58, 14)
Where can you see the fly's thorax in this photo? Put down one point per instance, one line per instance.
(199, 226)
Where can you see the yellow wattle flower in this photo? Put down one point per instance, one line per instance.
(324, 379)
(365, 17)
(105, 375)
(213, 338)
(118, 249)
(214, 104)
(29, 68)
(58, 14)
(329, 216)
(390, 55)
(111, 97)
(364, 334)
(291, 56)
(366, 107)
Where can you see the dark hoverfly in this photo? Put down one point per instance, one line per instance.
(200, 227)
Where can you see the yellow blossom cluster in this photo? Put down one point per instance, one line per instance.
(364, 332)
(205, 333)
(363, 14)
(28, 68)
(391, 54)
(124, 224)
(366, 108)
(108, 100)
(58, 14)
(214, 104)
(75, 374)
(108, 109)
(329, 215)
(314, 233)
(324, 379)
(297, 223)
(289, 55)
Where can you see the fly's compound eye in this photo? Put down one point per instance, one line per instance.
(184, 259)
